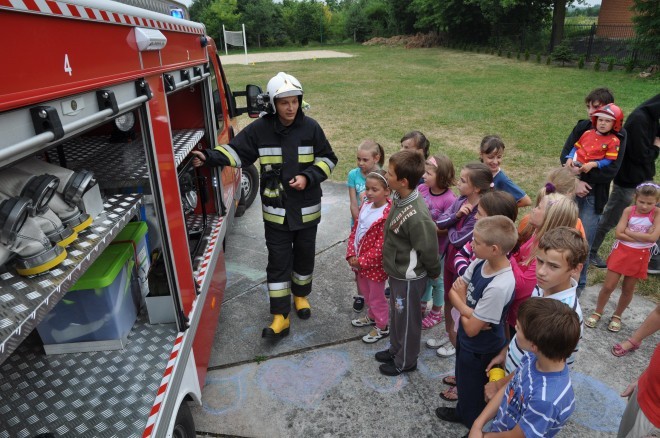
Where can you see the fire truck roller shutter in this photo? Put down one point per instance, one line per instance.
(39, 190)
(21, 236)
(65, 203)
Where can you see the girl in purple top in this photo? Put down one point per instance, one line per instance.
(475, 180)
(438, 178)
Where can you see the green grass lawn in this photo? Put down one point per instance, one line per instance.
(455, 98)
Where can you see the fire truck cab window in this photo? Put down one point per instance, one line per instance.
(217, 104)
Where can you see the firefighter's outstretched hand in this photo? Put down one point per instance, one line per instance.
(198, 159)
(298, 182)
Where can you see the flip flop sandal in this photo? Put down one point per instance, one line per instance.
(449, 380)
(450, 394)
(593, 320)
(614, 326)
(431, 320)
(619, 350)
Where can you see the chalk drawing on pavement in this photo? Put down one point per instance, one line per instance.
(597, 406)
(380, 383)
(223, 394)
(303, 382)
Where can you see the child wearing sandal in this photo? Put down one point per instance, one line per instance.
(475, 180)
(364, 254)
(494, 203)
(636, 233)
(438, 178)
(481, 296)
(650, 325)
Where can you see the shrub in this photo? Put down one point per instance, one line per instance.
(581, 62)
(499, 52)
(597, 63)
(526, 55)
(548, 60)
(630, 65)
(563, 53)
(508, 53)
(538, 58)
(610, 63)
(518, 56)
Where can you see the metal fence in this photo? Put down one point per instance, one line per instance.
(607, 41)
(615, 42)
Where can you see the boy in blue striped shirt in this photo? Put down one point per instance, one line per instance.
(539, 398)
(561, 254)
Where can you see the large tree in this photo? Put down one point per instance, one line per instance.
(262, 22)
(647, 25)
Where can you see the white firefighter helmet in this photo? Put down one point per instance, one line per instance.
(283, 85)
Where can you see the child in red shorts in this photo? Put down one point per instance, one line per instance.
(636, 233)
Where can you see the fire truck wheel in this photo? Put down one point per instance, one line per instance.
(184, 426)
(249, 184)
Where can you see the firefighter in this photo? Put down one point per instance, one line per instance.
(295, 158)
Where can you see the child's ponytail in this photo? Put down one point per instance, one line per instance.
(480, 176)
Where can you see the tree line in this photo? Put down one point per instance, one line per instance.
(300, 22)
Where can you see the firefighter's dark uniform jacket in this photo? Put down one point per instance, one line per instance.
(300, 148)
(291, 216)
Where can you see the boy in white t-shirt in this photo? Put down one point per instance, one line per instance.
(561, 254)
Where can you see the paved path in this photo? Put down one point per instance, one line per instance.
(322, 379)
(281, 56)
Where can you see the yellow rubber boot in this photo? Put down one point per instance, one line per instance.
(303, 309)
(278, 328)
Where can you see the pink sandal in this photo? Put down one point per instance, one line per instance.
(618, 350)
(431, 320)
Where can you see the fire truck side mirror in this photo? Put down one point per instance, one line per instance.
(253, 106)
(252, 93)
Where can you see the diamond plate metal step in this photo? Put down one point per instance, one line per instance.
(25, 301)
(99, 394)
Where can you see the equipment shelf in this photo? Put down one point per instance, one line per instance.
(25, 301)
(117, 165)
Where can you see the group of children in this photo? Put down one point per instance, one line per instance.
(485, 278)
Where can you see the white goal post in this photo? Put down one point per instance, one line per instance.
(235, 39)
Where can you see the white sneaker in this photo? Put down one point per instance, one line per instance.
(446, 350)
(435, 343)
(376, 335)
(362, 321)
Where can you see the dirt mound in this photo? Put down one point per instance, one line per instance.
(431, 39)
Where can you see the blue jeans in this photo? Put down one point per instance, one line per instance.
(589, 218)
(619, 199)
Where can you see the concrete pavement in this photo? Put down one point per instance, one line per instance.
(322, 379)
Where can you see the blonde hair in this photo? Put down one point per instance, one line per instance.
(563, 180)
(560, 211)
(375, 148)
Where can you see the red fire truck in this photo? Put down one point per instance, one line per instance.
(120, 94)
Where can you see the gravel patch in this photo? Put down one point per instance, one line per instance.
(282, 56)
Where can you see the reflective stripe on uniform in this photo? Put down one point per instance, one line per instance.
(270, 156)
(325, 164)
(230, 153)
(305, 154)
(311, 213)
(301, 280)
(272, 214)
(277, 290)
(271, 193)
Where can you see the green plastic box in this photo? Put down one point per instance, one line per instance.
(135, 233)
(99, 308)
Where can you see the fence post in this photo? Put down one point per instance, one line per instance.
(592, 33)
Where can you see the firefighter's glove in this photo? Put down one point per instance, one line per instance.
(272, 191)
